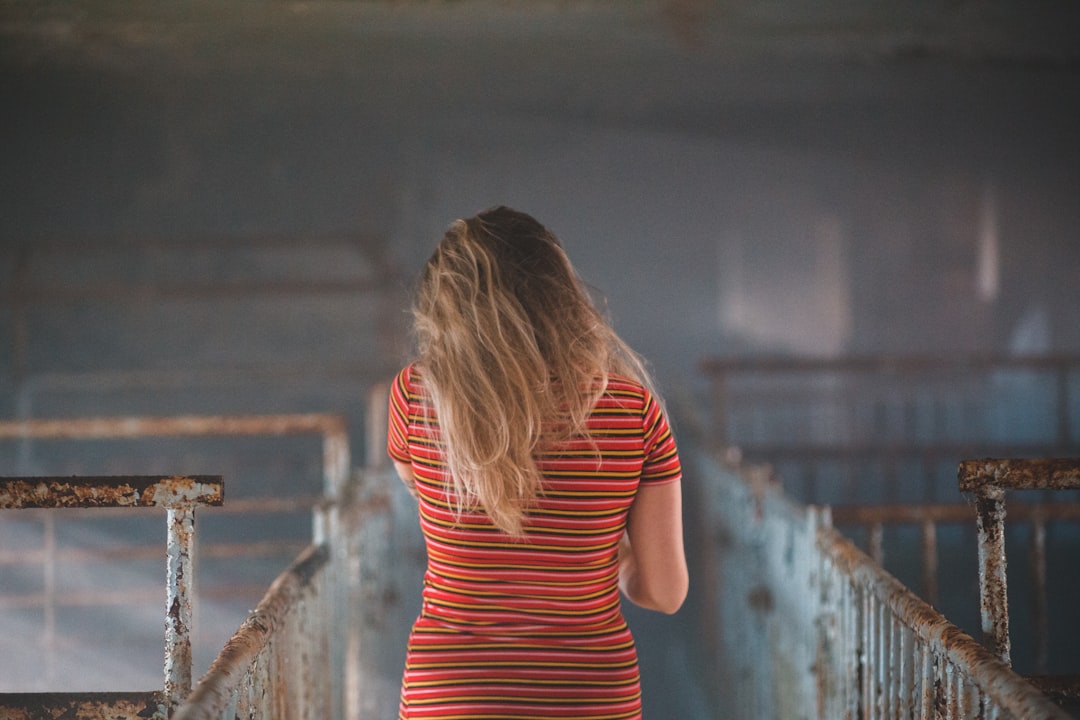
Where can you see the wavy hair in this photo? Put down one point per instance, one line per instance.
(514, 355)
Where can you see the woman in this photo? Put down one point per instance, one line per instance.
(547, 480)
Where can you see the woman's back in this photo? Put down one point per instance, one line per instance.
(547, 481)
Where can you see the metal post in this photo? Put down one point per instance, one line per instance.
(178, 605)
(1038, 581)
(993, 588)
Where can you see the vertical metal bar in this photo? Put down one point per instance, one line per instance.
(375, 419)
(20, 334)
(846, 663)
(49, 587)
(950, 692)
(869, 653)
(993, 586)
(1038, 578)
(926, 705)
(335, 462)
(877, 535)
(929, 561)
(907, 686)
(852, 645)
(884, 654)
(178, 605)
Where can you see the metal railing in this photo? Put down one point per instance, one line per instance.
(52, 556)
(297, 655)
(989, 480)
(803, 624)
(179, 496)
(335, 464)
(870, 523)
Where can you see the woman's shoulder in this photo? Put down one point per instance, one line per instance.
(409, 378)
(626, 390)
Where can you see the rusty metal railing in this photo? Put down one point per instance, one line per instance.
(989, 480)
(872, 521)
(296, 654)
(279, 664)
(52, 555)
(179, 496)
(803, 624)
(335, 464)
(886, 653)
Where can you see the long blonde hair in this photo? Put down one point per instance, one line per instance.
(514, 355)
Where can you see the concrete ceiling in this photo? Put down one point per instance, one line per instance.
(684, 65)
(316, 36)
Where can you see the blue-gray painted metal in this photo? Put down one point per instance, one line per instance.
(808, 626)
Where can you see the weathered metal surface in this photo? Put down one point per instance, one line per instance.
(242, 672)
(993, 582)
(1019, 474)
(98, 492)
(966, 674)
(989, 479)
(1038, 577)
(83, 706)
(179, 574)
(928, 517)
(307, 636)
(867, 645)
(179, 494)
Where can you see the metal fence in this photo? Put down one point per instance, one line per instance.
(41, 494)
(803, 624)
(50, 558)
(179, 496)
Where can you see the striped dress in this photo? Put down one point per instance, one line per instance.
(530, 629)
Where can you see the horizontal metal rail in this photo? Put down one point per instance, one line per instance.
(166, 491)
(331, 427)
(177, 426)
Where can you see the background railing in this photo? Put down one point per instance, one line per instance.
(888, 429)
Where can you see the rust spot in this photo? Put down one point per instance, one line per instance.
(1020, 474)
(83, 706)
(761, 599)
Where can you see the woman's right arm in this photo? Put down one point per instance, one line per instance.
(652, 560)
(405, 472)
